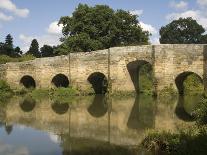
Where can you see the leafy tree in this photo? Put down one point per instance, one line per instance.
(34, 49)
(18, 51)
(204, 39)
(47, 51)
(8, 45)
(182, 31)
(100, 27)
(61, 49)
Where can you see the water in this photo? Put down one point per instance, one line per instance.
(88, 125)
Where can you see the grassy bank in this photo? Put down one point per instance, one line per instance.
(5, 92)
(5, 59)
(188, 140)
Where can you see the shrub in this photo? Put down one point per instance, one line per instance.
(188, 141)
(201, 112)
(5, 91)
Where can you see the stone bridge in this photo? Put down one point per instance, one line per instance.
(119, 66)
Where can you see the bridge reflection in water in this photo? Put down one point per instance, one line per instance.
(92, 125)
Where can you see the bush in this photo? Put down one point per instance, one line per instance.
(201, 112)
(5, 91)
(5, 59)
(188, 141)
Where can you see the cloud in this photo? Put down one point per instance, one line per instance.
(182, 5)
(148, 27)
(54, 138)
(8, 5)
(202, 2)
(198, 15)
(7, 149)
(46, 39)
(4, 17)
(54, 28)
(136, 12)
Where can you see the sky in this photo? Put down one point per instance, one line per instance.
(29, 19)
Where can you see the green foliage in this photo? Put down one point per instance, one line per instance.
(34, 49)
(146, 79)
(189, 141)
(47, 51)
(201, 112)
(8, 49)
(193, 85)
(168, 91)
(40, 93)
(182, 31)
(5, 91)
(5, 59)
(100, 27)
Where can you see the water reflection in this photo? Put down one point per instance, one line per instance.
(99, 106)
(91, 125)
(186, 105)
(60, 108)
(142, 115)
(28, 104)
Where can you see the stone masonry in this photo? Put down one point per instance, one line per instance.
(118, 64)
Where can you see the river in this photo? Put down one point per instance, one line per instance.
(88, 125)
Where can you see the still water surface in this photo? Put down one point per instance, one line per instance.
(88, 125)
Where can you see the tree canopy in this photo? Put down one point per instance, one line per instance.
(34, 49)
(100, 27)
(47, 51)
(182, 31)
(7, 48)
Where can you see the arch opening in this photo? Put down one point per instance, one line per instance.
(99, 82)
(60, 108)
(28, 104)
(187, 82)
(28, 82)
(141, 73)
(60, 80)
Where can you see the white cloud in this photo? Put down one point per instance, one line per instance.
(136, 12)
(10, 6)
(182, 5)
(54, 28)
(202, 2)
(4, 17)
(148, 27)
(198, 15)
(46, 39)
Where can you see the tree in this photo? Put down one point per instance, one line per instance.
(204, 39)
(100, 27)
(182, 31)
(17, 51)
(8, 45)
(47, 51)
(34, 49)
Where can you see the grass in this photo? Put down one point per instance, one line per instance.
(189, 141)
(5, 91)
(5, 59)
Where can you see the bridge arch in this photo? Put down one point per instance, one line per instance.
(134, 69)
(99, 82)
(60, 80)
(28, 81)
(60, 108)
(28, 104)
(179, 80)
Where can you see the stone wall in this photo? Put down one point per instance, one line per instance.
(118, 64)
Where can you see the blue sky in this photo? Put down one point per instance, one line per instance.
(28, 19)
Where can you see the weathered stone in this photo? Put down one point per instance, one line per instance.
(168, 62)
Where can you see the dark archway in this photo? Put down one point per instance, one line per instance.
(135, 70)
(179, 81)
(99, 82)
(28, 81)
(28, 104)
(99, 107)
(60, 108)
(60, 80)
